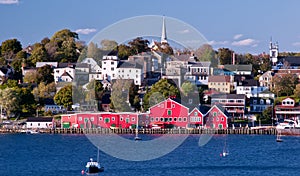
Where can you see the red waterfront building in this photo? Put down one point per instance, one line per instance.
(216, 117)
(166, 114)
(169, 113)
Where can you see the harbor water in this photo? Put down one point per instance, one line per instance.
(67, 154)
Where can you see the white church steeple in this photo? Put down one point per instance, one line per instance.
(274, 50)
(163, 39)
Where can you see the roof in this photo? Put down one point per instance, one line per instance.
(41, 64)
(183, 57)
(292, 60)
(249, 82)
(66, 74)
(219, 78)
(227, 96)
(199, 64)
(39, 119)
(129, 64)
(233, 68)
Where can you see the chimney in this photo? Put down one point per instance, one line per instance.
(233, 58)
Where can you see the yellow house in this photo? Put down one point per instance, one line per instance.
(220, 83)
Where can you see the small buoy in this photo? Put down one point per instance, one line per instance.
(82, 172)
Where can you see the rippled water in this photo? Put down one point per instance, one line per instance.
(49, 155)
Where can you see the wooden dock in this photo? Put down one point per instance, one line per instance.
(241, 131)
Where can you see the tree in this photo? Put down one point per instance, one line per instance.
(64, 97)
(44, 91)
(10, 48)
(225, 56)
(139, 45)
(120, 96)
(124, 51)
(31, 77)
(39, 54)
(94, 52)
(62, 46)
(297, 91)
(44, 74)
(108, 45)
(160, 91)
(10, 100)
(187, 87)
(205, 53)
(284, 84)
(27, 102)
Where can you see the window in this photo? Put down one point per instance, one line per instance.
(38, 124)
(217, 119)
(113, 118)
(80, 118)
(175, 119)
(173, 105)
(222, 119)
(179, 119)
(161, 119)
(121, 119)
(184, 119)
(112, 63)
(104, 63)
(100, 118)
(92, 119)
(195, 113)
(106, 120)
(156, 119)
(112, 68)
(132, 119)
(169, 112)
(214, 114)
(127, 120)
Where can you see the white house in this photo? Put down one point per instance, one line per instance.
(109, 67)
(38, 122)
(131, 70)
(198, 72)
(249, 87)
(65, 74)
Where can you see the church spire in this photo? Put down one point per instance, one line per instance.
(163, 39)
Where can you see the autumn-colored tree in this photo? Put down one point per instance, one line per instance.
(284, 84)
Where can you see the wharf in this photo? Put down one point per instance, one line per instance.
(242, 131)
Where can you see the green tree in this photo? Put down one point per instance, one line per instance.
(9, 48)
(64, 97)
(62, 46)
(94, 52)
(120, 96)
(139, 45)
(44, 74)
(205, 53)
(27, 102)
(39, 54)
(124, 51)
(225, 56)
(187, 87)
(284, 84)
(160, 91)
(108, 45)
(31, 77)
(44, 91)
(10, 100)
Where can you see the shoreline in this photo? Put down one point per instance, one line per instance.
(241, 131)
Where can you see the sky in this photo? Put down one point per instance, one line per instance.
(244, 26)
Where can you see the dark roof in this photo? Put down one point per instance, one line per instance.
(292, 60)
(227, 96)
(39, 119)
(66, 74)
(129, 64)
(248, 82)
(238, 67)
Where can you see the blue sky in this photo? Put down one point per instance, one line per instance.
(244, 26)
